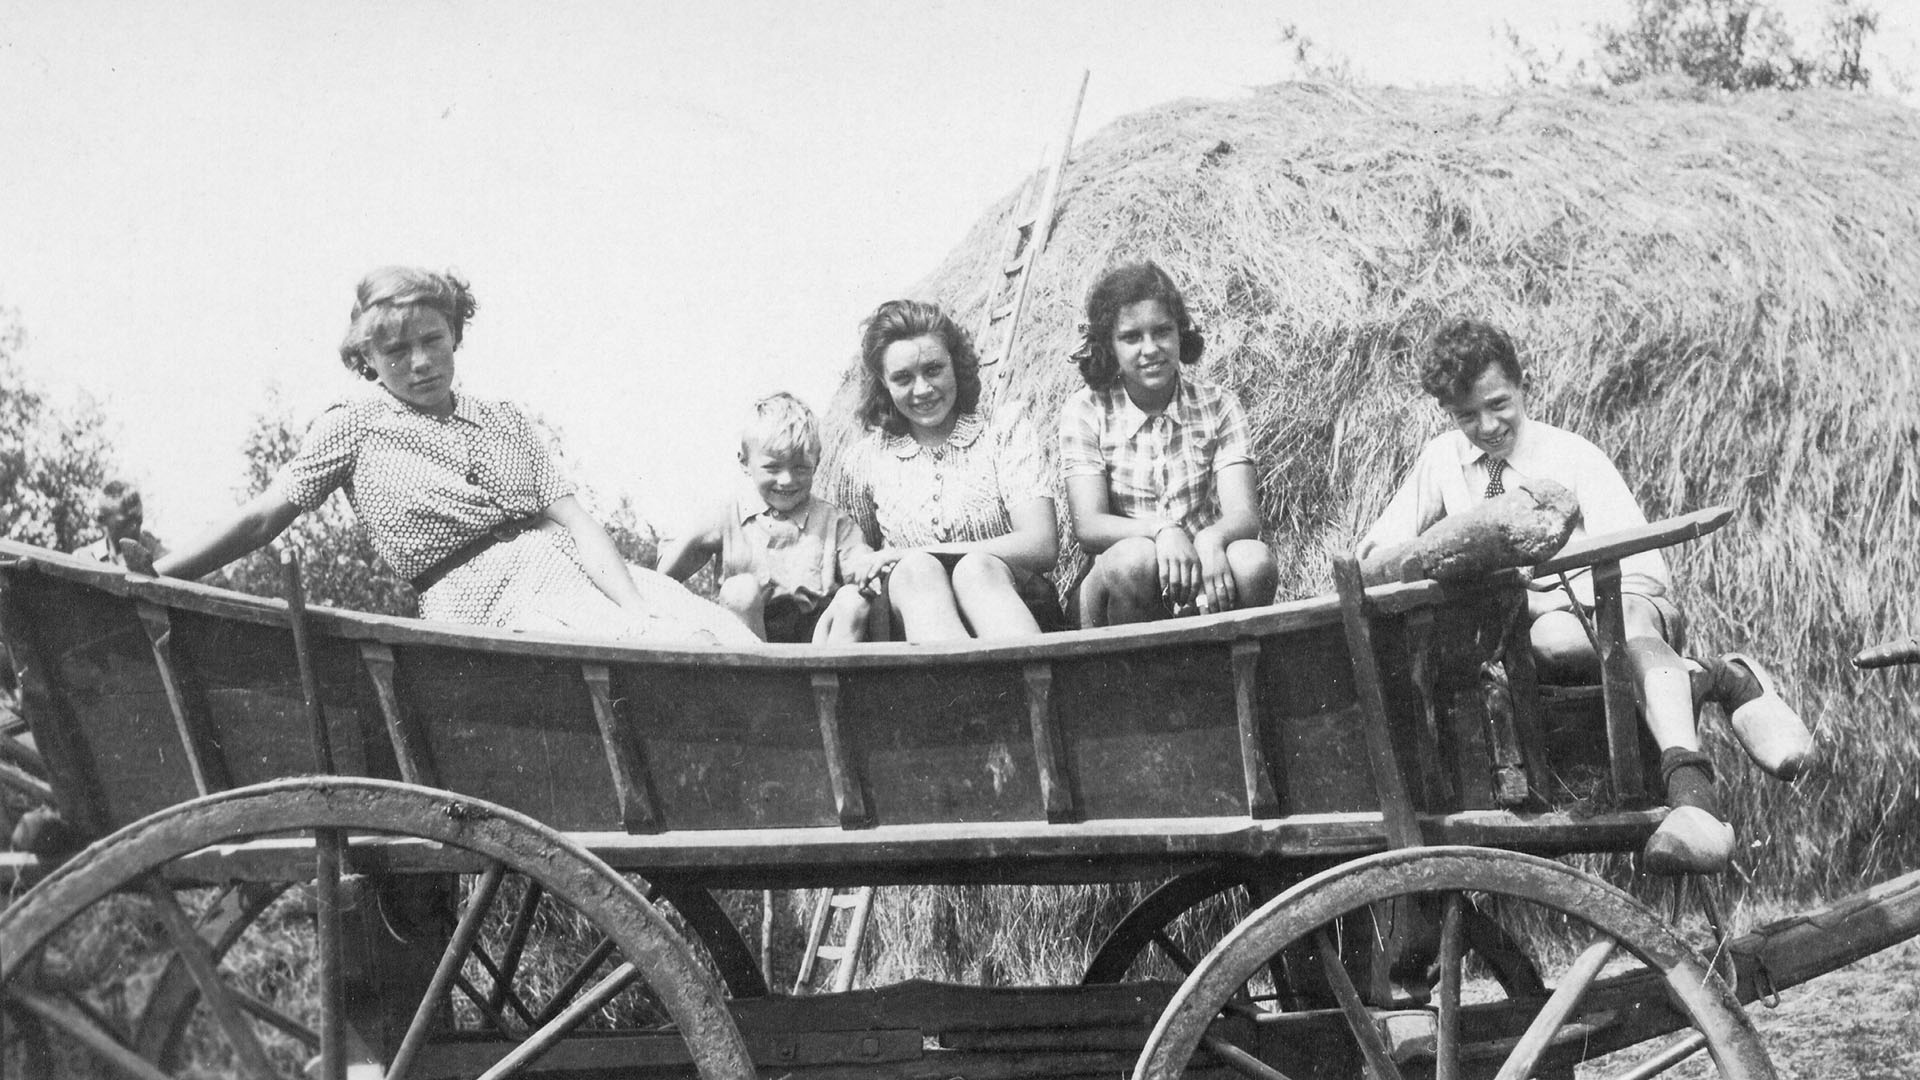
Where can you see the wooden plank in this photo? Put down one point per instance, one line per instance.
(1007, 853)
(1616, 680)
(1435, 784)
(849, 798)
(360, 626)
(632, 782)
(1396, 808)
(56, 730)
(1262, 800)
(1048, 750)
(1523, 689)
(410, 746)
(1614, 546)
(188, 703)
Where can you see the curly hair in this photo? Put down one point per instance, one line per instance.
(905, 320)
(382, 300)
(1460, 351)
(1119, 288)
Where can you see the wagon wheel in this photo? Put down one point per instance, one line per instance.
(1149, 928)
(152, 870)
(1663, 985)
(170, 1006)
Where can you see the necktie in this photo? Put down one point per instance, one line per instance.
(1495, 467)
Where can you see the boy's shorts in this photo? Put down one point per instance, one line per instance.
(1673, 622)
(790, 618)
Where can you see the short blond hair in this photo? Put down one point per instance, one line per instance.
(783, 426)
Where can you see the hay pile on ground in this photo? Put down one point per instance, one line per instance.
(1722, 292)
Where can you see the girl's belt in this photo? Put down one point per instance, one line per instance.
(499, 534)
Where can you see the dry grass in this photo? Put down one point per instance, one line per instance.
(1719, 291)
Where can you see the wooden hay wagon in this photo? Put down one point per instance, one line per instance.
(460, 851)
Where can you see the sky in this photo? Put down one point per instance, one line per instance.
(666, 210)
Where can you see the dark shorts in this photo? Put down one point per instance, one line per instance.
(790, 619)
(1036, 591)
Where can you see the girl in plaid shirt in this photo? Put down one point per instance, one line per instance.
(1158, 466)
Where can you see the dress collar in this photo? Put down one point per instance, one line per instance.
(464, 407)
(966, 431)
(1133, 417)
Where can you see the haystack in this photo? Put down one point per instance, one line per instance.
(1722, 292)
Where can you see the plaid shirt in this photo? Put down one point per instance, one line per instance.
(1157, 465)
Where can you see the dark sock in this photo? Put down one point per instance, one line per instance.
(1688, 775)
(1729, 684)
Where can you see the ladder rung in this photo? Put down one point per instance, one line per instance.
(845, 900)
(1019, 261)
(1003, 311)
(831, 952)
(1024, 223)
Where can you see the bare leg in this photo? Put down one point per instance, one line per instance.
(923, 595)
(1255, 574)
(984, 587)
(742, 595)
(1123, 586)
(845, 620)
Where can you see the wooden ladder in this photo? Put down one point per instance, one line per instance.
(1010, 274)
(857, 902)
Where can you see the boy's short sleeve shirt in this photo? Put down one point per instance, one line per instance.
(1157, 465)
(804, 557)
(1450, 477)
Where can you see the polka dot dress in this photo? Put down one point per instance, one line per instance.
(423, 487)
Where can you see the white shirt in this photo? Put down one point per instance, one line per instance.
(1450, 477)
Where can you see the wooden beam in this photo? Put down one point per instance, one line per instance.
(410, 747)
(1614, 546)
(57, 734)
(187, 702)
(849, 800)
(1262, 800)
(1617, 685)
(1389, 781)
(1049, 753)
(632, 782)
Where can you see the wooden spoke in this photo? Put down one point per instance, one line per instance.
(1566, 997)
(1239, 1060)
(192, 949)
(542, 1040)
(75, 1022)
(1688, 1045)
(328, 845)
(449, 969)
(1447, 1021)
(1534, 1031)
(516, 942)
(1174, 953)
(499, 978)
(575, 979)
(494, 1019)
(1359, 1019)
(453, 836)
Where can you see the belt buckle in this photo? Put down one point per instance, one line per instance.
(507, 530)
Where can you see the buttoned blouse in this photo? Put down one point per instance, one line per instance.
(1450, 477)
(1157, 465)
(424, 486)
(905, 495)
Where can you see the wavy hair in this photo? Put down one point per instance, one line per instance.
(1122, 287)
(1460, 352)
(383, 298)
(905, 320)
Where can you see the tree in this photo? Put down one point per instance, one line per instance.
(1734, 45)
(52, 460)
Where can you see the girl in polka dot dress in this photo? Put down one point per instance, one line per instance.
(456, 492)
